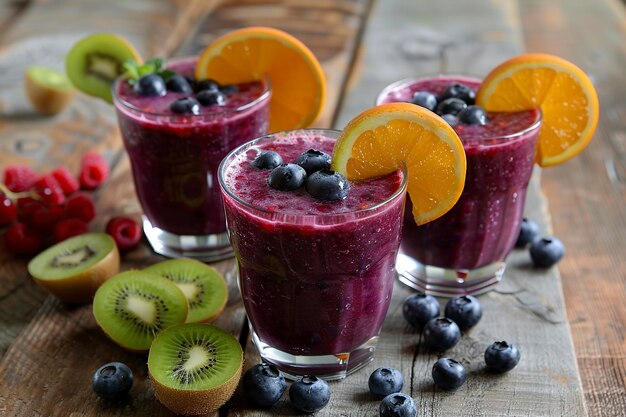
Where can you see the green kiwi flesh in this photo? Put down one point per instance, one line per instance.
(194, 367)
(134, 306)
(203, 286)
(49, 78)
(96, 61)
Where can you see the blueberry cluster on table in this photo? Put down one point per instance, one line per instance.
(455, 105)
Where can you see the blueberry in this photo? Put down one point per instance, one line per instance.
(451, 106)
(460, 91)
(267, 160)
(418, 309)
(397, 405)
(425, 99)
(313, 160)
(309, 394)
(451, 119)
(441, 334)
(448, 374)
(178, 84)
(151, 85)
(327, 185)
(528, 232)
(263, 385)
(211, 98)
(287, 177)
(185, 105)
(502, 356)
(546, 251)
(210, 85)
(112, 381)
(229, 89)
(465, 311)
(385, 381)
(473, 115)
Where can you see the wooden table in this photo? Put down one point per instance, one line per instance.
(49, 351)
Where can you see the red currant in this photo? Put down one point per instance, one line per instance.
(8, 211)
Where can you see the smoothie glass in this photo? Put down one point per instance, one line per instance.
(316, 277)
(174, 160)
(464, 251)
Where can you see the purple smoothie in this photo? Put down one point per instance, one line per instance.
(483, 225)
(315, 276)
(175, 157)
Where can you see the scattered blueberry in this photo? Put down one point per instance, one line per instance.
(267, 160)
(327, 185)
(460, 91)
(528, 232)
(211, 98)
(425, 99)
(287, 177)
(441, 334)
(178, 84)
(420, 308)
(546, 251)
(229, 89)
(313, 160)
(465, 311)
(385, 381)
(185, 105)
(451, 119)
(211, 85)
(263, 385)
(309, 394)
(502, 356)
(451, 106)
(448, 374)
(151, 85)
(112, 381)
(473, 115)
(397, 405)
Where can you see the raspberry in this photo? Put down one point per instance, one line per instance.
(26, 208)
(44, 218)
(81, 206)
(68, 228)
(22, 240)
(125, 231)
(94, 170)
(66, 181)
(19, 178)
(49, 190)
(8, 211)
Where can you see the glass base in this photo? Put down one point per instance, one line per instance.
(448, 282)
(328, 367)
(207, 248)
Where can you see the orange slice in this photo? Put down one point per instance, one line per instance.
(383, 138)
(566, 96)
(298, 82)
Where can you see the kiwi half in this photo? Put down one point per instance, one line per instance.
(203, 286)
(95, 61)
(74, 268)
(194, 367)
(133, 306)
(49, 91)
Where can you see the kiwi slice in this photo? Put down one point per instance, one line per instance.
(74, 268)
(95, 61)
(203, 286)
(133, 306)
(194, 367)
(49, 91)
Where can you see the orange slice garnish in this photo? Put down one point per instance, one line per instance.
(566, 96)
(384, 138)
(298, 82)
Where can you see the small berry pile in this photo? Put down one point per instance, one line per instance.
(545, 251)
(455, 105)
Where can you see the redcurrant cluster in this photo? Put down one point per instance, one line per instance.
(39, 210)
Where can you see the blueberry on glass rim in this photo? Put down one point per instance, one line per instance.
(425, 99)
(112, 381)
(211, 98)
(419, 309)
(263, 385)
(451, 119)
(151, 85)
(546, 251)
(441, 334)
(451, 106)
(313, 160)
(460, 91)
(178, 84)
(397, 405)
(229, 89)
(464, 310)
(267, 160)
(448, 374)
(385, 381)
(309, 394)
(327, 185)
(528, 233)
(209, 84)
(502, 356)
(287, 177)
(473, 115)
(185, 105)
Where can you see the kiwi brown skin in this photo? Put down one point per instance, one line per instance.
(47, 100)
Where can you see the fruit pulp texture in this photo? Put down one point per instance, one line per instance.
(483, 225)
(316, 277)
(175, 157)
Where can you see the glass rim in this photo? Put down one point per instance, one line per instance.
(410, 80)
(335, 134)
(126, 105)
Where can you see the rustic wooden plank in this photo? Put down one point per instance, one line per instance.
(587, 194)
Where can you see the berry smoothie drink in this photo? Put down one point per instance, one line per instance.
(176, 130)
(463, 251)
(315, 275)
